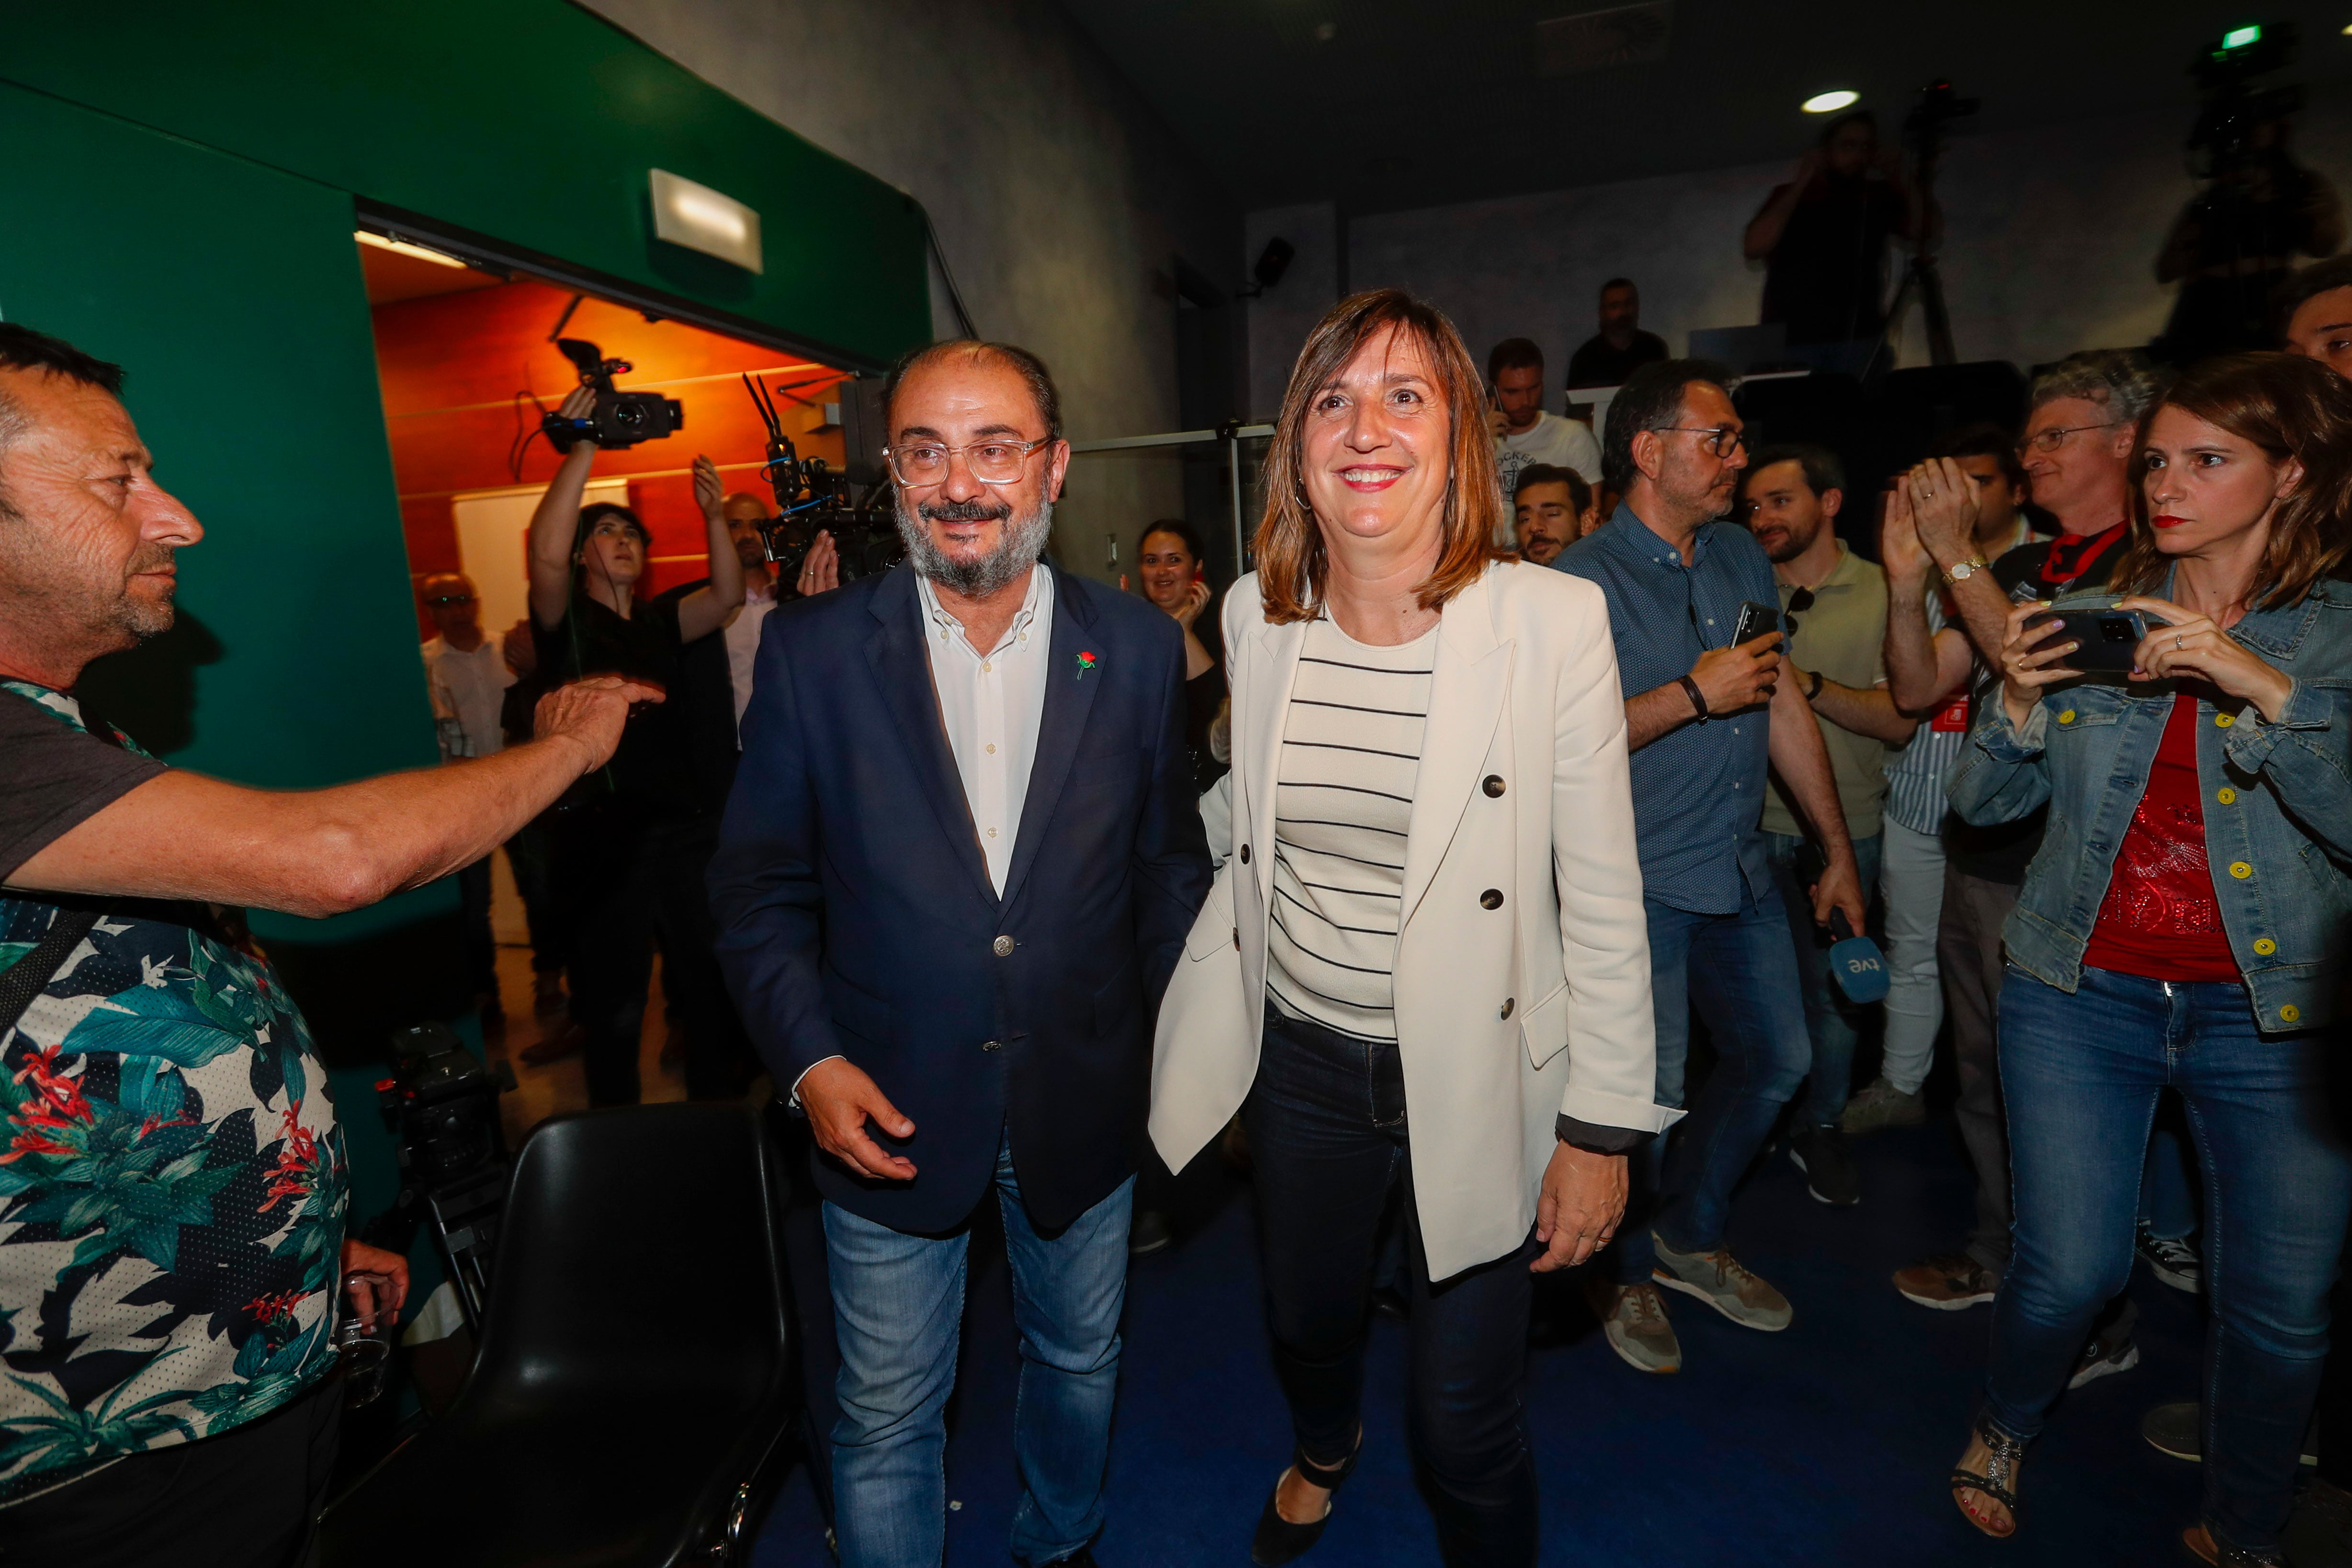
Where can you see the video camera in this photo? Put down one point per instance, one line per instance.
(442, 1105)
(2223, 140)
(619, 418)
(1938, 107)
(852, 505)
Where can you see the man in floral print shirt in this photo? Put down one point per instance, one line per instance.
(172, 1187)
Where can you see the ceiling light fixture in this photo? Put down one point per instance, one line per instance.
(1830, 102)
(401, 248)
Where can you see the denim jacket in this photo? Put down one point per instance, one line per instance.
(2277, 804)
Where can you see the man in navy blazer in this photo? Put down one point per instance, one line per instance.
(959, 862)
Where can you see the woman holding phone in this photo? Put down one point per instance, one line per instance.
(1425, 966)
(1171, 562)
(2185, 925)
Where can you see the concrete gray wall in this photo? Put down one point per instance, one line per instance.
(2053, 235)
(1062, 203)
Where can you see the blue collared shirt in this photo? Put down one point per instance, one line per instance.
(1697, 788)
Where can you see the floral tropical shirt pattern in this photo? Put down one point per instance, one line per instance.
(171, 1192)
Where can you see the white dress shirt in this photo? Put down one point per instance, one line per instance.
(743, 635)
(468, 691)
(992, 704)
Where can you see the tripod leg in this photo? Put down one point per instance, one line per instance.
(1939, 320)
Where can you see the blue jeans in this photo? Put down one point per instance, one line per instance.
(1832, 1022)
(2165, 1205)
(897, 1303)
(2081, 1074)
(1736, 970)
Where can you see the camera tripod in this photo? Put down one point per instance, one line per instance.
(1924, 129)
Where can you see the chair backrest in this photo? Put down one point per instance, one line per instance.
(640, 1250)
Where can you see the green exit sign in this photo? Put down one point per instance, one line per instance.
(2238, 38)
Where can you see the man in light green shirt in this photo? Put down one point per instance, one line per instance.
(1835, 604)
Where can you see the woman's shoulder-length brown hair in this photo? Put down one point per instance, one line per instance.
(1291, 564)
(2290, 407)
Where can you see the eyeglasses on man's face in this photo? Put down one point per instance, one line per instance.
(2048, 441)
(994, 461)
(1722, 440)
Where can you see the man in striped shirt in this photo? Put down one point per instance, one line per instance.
(1922, 626)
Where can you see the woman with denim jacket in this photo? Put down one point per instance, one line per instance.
(2185, 924)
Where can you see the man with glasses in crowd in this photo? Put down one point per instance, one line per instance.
(1706, 718)
(958, 866)
(2077, 455)
(1835, 605)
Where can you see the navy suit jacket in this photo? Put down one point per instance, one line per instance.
(855, 916)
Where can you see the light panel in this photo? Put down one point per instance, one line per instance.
(700, 218)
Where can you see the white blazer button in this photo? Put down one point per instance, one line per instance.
(1491, 899)
(1493, 786)
(1508, 1003)
(1244, 854)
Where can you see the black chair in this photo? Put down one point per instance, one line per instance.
(630, 1406)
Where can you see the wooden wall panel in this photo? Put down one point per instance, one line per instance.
(452, 368)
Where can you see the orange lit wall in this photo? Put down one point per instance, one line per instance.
(453, 364)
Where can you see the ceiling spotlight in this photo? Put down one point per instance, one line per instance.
(1830, 102)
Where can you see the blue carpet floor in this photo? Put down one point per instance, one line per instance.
(1826, 1444)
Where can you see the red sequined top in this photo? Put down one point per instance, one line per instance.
(2160, 918)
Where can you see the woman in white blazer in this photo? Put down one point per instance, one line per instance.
(1423, 968)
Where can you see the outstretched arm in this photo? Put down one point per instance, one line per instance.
(318, 852)
(706, 609)
(555, 521)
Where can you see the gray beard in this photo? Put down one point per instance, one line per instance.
(1024, 541)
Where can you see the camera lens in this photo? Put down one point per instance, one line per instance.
(2116, 629)
(629, 416)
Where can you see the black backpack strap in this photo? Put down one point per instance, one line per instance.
(26, 978)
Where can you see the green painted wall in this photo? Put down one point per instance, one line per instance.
(231, 293)
(178, 195)
(530, 122)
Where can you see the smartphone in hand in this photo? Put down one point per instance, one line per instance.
(2108, 638)
(1755, 620)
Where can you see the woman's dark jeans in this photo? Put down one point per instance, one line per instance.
(2081, 1075)
(1328, 1141)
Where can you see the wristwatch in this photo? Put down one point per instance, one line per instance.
(1963, 570)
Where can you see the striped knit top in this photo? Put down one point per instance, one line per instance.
(1350, 753)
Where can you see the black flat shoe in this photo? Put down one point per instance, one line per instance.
(1278, 1539)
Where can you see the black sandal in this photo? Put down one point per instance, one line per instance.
(1999, 1480)
(1278, 1539)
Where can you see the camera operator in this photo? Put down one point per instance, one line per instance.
(619, 839)
(173, 1140)
(2235, 242)
(1822, 236)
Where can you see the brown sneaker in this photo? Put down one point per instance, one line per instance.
(1948, 1282)
(1717, 1278)
(1634, 1321)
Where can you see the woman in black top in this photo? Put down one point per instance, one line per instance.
(613, 834)
(1169, 559)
